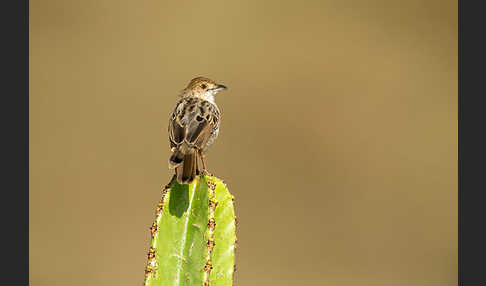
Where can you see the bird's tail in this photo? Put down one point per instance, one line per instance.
(185, 165)
(186, 173)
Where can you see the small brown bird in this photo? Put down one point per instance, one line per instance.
(193, 127)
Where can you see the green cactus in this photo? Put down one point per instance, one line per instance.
(193, 235)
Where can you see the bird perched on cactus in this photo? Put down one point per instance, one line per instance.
(193, 236)
(193, 127)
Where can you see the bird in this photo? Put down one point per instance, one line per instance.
(193, 127)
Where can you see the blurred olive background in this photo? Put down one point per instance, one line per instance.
(338, 136)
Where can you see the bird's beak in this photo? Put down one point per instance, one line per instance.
(220, 87)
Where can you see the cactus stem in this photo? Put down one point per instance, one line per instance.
(193, 235)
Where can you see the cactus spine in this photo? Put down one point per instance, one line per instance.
(193, 235)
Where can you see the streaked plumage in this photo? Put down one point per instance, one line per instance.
(193, 127)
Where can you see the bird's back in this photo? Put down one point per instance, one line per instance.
(194, 123)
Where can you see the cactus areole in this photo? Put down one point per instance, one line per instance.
(193, 235)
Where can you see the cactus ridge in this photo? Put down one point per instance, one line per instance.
(193, 236)
(210, 231)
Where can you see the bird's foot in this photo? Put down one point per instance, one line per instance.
(205, 172)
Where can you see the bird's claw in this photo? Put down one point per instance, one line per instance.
(205, 172)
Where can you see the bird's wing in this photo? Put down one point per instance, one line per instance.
(192, 122)
(177, 130)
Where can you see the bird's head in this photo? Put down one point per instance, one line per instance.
(203, 87)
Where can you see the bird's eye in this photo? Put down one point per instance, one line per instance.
(203, 86)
